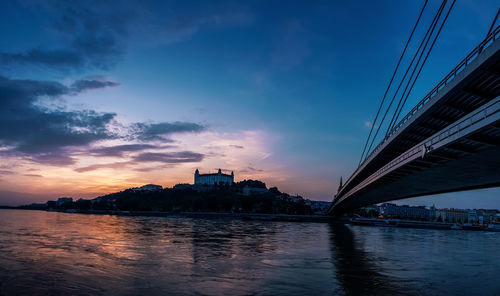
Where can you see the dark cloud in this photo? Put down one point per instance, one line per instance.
(147, 157)
(119, 150)
(6, 172)
(54, 136)
(59, 157)
(62, 59)
(237, 146)
(41, 134)
(33, 175)
(82, 85)
(250, 169)
(94, 35)
(170, 157)
(159, 131)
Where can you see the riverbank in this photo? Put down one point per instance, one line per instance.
(417, 224)
(284, 218)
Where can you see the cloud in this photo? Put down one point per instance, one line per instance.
(237, 146)
(94, 34)
(159, 131)
(147, 157)
(369, 124)
(57, 158)
(53, 136)
(179, 21)
(252, 169)
(6, 172)
(118, 151)
(41, 134)
(170, 157)
(82, 85)
(61, 59)
(33, 175)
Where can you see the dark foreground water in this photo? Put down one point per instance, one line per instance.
(44, 253)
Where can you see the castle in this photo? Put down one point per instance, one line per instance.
(213, 179)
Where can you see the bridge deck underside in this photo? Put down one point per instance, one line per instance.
(471, 162)
(474, 87)
(468, 160)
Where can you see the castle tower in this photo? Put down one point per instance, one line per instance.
(196, 176)
(232, 177)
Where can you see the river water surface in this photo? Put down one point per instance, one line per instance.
(48, 253)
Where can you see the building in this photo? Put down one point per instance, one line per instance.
(454, 215)
(370, 208)
(405, 212)
(213, 179)
(433, 213)
(472, 217)
(486, 216)
(148, 187)
(183, 186)
(62, 200)
(247, 190)
(319, 206)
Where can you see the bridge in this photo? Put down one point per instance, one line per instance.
(450, 141)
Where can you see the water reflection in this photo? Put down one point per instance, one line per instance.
(356, 270)
(45, 253)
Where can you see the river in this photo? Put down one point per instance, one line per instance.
(49, 253)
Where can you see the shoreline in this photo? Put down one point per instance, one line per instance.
(395, 223)
(418, 224)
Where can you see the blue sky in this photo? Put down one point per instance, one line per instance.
(294, 85)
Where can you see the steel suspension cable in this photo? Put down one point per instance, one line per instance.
(493, 23)
(392, 79)
(421, 66)
(411, 77)
(426, 37)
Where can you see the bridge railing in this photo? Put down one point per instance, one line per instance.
(485, 114)
(459, 68)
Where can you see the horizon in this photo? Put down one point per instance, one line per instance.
(100, 98)
(402, 202)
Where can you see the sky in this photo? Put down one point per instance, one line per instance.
(100, 96)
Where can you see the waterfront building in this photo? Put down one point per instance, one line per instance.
(454, 215)
(319, 206)
(370, 208)
(472, 217)
(486, 216)
(405, 212)
(148, 187)
(433, 213)
(213, 178)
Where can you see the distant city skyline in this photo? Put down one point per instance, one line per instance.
(98, 98)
